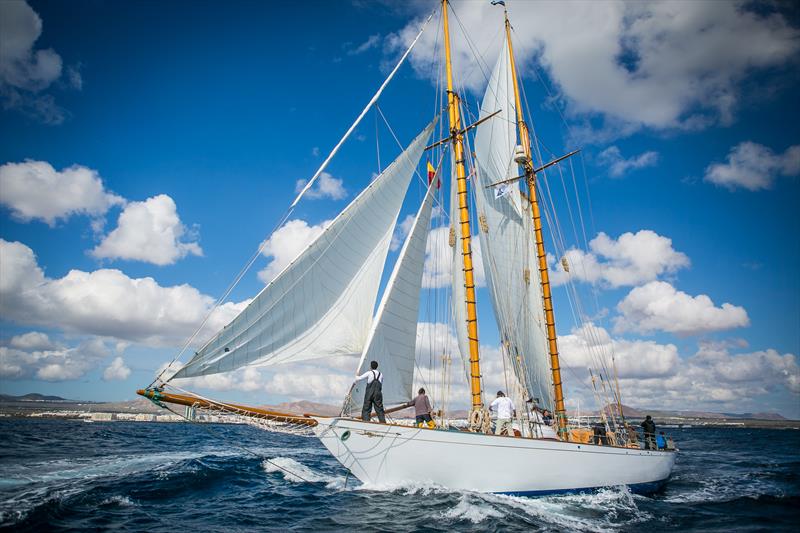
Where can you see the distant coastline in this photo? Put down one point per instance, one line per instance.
(141, 410)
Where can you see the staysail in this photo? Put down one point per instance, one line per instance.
(321, 304)
(392, 340)
(506, 239)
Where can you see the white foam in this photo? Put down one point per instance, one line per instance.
(473, 511)
(122, 501)
(297, 472)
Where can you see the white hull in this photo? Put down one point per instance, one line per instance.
(381, 453)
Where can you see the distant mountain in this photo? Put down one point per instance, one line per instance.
(631, 412)
(32, 397)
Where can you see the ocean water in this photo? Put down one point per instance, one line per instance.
(70, 475)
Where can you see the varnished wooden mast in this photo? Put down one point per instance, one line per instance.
(530, 177)
(457, 139)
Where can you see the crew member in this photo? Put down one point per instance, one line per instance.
(505, 412)
(422, 409)
(649, 428)
(373, 394)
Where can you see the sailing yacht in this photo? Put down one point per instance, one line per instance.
(323, 305)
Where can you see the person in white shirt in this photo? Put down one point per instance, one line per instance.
(504, 408)
(373, 394)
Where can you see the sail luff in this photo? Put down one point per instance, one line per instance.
(552, 337)
(321, 304)
(459, 154)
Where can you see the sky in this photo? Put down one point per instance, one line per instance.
(148, 149)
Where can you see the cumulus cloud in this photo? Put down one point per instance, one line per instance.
(658, 306)
(104, 302)
(286, 243)
(661, 65)
(618, 166)
(25, 71)
(33, 340)
(438, 260)
(52, 363)
(714, 378)
(401, 231)
(753, 167)
(326, 186)
(584, 347)
(149, 231)
(36, 190)
(117, 370)
(631, 259)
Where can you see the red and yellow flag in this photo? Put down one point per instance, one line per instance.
(432, 174)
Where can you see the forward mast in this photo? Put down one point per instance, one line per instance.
(457, 140)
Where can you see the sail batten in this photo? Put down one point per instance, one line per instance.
(392, 340)
(321, 304)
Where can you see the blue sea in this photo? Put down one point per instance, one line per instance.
(71, 475)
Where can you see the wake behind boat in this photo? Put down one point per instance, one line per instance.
(322, 305)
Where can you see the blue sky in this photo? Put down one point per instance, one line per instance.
(222, 107)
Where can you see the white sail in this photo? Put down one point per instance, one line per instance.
(392, 341)
(321, 304)
(507, 240)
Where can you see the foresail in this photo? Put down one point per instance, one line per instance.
(507, 240)
(392, 341)
(321, 304)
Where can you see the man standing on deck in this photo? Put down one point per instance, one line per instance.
(373, 394)
(649, 433)
(505, 412)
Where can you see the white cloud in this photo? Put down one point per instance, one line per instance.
(439, 262)
(286, 243)
(668, 64)
(401, 231)
(754, 167)
(35, 190)
(117, 370)
(326, 186)
(33, 340)
(618, 166)
(584, 347)
(24, 71)
(54, 364)
(631, 259)
(716, 379)
(371, 42)
(658, 306)
(149, 231)
(104, 302)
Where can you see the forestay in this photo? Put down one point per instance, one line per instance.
(321, 304)
(392, 341)
(506, 240)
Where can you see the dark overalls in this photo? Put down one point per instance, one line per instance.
(374, 396)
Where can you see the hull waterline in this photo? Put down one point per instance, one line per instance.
(391, 454)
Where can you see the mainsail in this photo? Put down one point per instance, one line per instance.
(506, 239)
(392, 341)
(321, 304)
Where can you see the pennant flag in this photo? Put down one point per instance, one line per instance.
(432, 175)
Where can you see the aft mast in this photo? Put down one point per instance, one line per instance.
(457, 140)
(530, 178)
